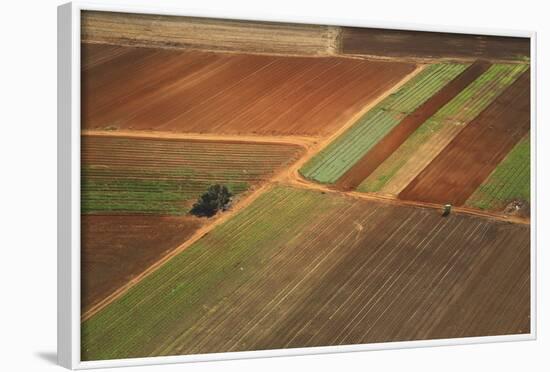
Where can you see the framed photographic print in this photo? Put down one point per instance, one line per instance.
(237, 188)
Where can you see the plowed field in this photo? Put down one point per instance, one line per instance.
(288, 274)
(162, 176)
(116, 248)
(418, 44)
(475, 152)
(206, 92)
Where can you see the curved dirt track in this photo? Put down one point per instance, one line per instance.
(312, 146)
(344, 271)
(289, 176)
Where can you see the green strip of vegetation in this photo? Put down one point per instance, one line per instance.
(168, 302)
(458, 112)
(151, 176)
(510, 180)
(146, 196)
(332, 162)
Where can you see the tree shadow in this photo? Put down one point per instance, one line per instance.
(48, 356)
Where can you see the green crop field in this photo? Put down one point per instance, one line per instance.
(333, 161)
(147, 176)
(451, 117)
(284, 272)
(200, 272)
(511, 180)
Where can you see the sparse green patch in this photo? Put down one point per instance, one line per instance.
(510, 181)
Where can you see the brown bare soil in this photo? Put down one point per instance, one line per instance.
(379, 273)
(383, 149)
(204, 92)
(469, 159)
(117, 248)
(96, 54)
(398, 43)
(208, 33)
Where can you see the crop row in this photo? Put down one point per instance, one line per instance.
(204, 268)
(146, 176)
(284, 273)
(331, 163)
(432, 136)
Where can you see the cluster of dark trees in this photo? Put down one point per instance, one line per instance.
(216, 198)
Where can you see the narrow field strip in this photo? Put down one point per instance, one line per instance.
(401, 132)
(284, 273)
(155, 176)
(509, 182)
(338, 157)
(474, 153)
(423, 145)
(429, 45)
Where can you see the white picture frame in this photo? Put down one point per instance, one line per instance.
(69, 185)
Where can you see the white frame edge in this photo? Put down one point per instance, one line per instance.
(68, 185)
(68, 201)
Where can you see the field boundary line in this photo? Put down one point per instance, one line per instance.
(150, 134)
(366, 57)
(390, 199)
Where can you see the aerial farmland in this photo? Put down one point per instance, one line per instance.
(254, 185)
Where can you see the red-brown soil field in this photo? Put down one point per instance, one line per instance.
(399, 43)
(393, 274)
(117, 248)
(399, 134)
(473, 154)
(96, 54)
(300, 268)
(206, 92)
